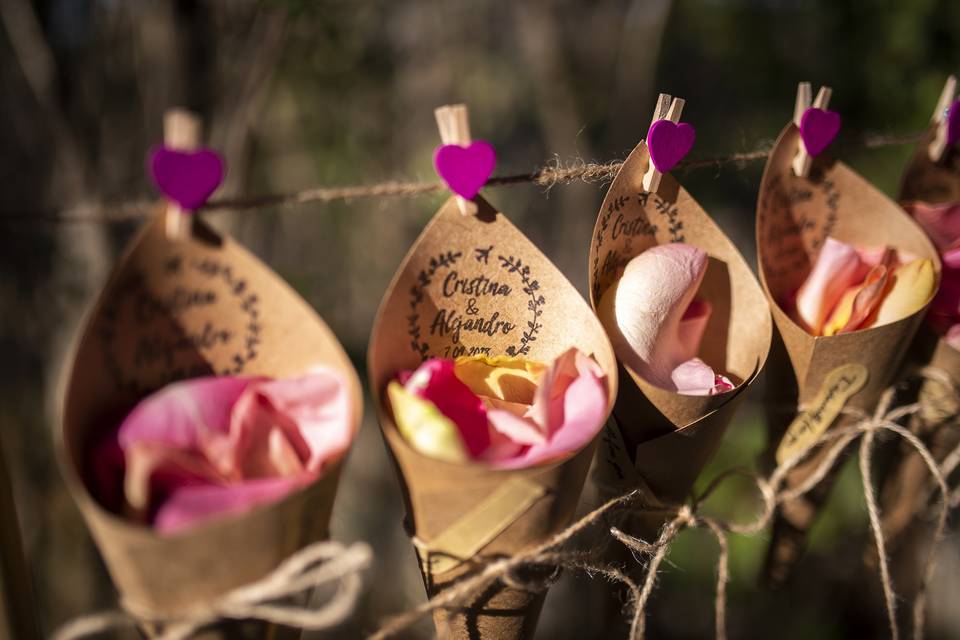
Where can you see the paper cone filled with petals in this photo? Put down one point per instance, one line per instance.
(930, 194)
(849, 277)
(689, 325)
(493, 380)
(207, 412)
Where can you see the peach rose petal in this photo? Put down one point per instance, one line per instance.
(858, 303)
(656, 323)
(643, 312)
(837, 268)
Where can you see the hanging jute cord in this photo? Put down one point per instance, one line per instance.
(554, 173)
(344, 564)
(772, 491)
(317, 565)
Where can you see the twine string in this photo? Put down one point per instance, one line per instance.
(340, 566)
(554, 173)
(321, 563)
(772, 493)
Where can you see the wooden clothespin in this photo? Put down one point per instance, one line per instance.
(803, 160)
(181, 132)
(938, 145)
(668, 108)
(454, 124)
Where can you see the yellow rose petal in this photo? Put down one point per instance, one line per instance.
(913, 285)
(502, 377)
(424, 427)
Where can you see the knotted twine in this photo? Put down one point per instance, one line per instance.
(321, 563)
(545, 177)
(687, 516)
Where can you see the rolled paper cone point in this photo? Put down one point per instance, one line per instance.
(437, 504)
(519, 520)
(242, 317)
(670, 437)
(497, 612)
(833, 201)
(484, 264)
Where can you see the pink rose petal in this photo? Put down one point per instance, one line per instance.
(693, 324)
(183, 413)
(941, 222)
(224, 432)
(694, 377)
(315, 412)
(516, 428)
(191, 505)
(953, 336)
(572, 398)
(155, 470)
(434, 380)
(655, 321)
(644, 311)
(951, 257)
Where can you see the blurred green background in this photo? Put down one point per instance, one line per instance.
(299, 93)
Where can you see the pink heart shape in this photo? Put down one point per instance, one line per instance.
(668, 143)
(186, 177)
(465, 169)
(953, 123)
(818, 128)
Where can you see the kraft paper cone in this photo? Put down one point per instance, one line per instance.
(463, 515)
(667, 438)
(170, 310)
(794, 217)
(904, 491)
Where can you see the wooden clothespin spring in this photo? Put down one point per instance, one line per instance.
(668, 108)
(454, 124)
(938, 146)
(803, 160)
(181, 132)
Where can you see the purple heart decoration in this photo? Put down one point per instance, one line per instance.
(953, 123)
(186, 177)
(465, 169)
(818, 128)
(668, 143)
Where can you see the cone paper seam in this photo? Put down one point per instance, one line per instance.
(471, 533)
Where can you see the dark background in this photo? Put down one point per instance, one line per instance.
(299, 93)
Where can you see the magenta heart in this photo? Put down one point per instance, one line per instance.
(465, 169)
(186, 177)
(818, 128)
(953, 123)
(668, 143)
